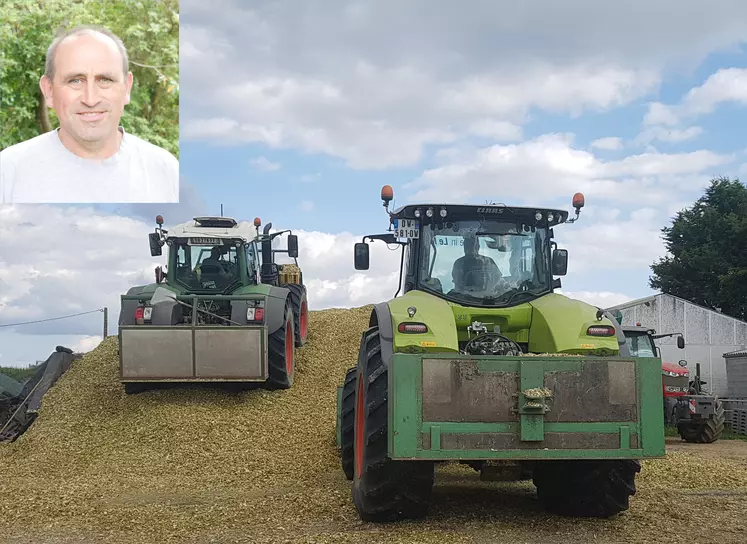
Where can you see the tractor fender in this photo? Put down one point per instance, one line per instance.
(127, 311)
(381, 317)
(275, 300)
(434, 312)
(275, 307)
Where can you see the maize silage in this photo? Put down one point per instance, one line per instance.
(202, 464)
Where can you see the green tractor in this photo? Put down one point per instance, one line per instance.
(223, 311)
(480, 362)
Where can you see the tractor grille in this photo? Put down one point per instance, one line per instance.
(675, 384)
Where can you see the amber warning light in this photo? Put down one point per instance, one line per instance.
(159, 220)
(257, 222)
(578, 200)
(387, 193)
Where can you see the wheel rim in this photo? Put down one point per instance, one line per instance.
(360, 420)
(288, 348)
(304, 319)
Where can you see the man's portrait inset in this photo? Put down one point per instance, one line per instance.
(90, 157)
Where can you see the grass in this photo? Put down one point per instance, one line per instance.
(728, 434)
(18, 374)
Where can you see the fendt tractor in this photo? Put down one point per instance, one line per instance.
(223, 311)
(698, 416)
(479, 361)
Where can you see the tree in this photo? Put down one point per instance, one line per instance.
(707, 246)
(150, 31)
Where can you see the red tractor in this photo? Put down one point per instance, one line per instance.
(699, 417)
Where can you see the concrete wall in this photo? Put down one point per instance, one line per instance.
(708, 334)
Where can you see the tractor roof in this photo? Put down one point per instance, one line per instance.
(641, 330)
(497, 211)
(214, 227)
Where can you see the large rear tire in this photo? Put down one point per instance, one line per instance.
(300, 305)
(598, 489)
(348, 421)
(704, 431)
(383, 489)
(282, 354)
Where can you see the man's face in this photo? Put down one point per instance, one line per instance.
(89, 90)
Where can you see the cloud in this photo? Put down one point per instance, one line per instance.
(550, 167)
(262, 163)
(724, 86)
(610, 143)
(668, 134)
(307, 205)
(600, 299)
(83, 261)
(359, 82)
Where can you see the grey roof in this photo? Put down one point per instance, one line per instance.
(740, 353)
(639, 301)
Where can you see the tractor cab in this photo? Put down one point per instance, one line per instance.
(217, 255)
(488, 256)
(640, 343)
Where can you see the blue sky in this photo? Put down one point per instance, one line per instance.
(299, 114)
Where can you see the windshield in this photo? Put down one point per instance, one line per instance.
(206, 268)
(489, 261)
(640, 345)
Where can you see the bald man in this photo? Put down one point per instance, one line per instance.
(90, 158)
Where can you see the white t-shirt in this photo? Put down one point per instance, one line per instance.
(43, 170)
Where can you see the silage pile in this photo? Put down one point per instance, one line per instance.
(205, 465)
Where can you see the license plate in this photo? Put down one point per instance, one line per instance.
(406, 228)
(204, 242)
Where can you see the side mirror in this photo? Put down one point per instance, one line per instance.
(159, 274)
(292, 245)
(155, 244)
(680, 342)
(682, 363)
(559, 262)
(361, 256)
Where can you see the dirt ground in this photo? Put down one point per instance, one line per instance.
(208, 466)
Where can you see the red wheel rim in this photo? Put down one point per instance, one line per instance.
(304, 318)
(360, 419)
(288, 348)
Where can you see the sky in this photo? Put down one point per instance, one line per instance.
(298, 113)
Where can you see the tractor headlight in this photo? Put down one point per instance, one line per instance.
(443, 212)
(670, 373)
(417, 212)
(538, 216)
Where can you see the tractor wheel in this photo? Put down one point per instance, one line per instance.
(704, 431)
(383, 489)
(597, 489)
(282, 353)
(348, 419)
(300, 307)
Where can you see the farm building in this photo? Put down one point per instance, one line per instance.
(708, 334)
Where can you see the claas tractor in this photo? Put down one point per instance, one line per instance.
(698, 416)
(223, 311)
(479, 361)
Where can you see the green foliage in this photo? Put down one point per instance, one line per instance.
(18, 374)
(149, 30)
(708, 251)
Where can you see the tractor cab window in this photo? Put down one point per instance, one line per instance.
(207, 268)
(489, 262)
(252, 263)
(640, 345)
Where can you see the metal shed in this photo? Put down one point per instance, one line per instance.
(709, 334)
(736, 374)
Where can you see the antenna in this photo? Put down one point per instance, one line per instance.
(221, 210)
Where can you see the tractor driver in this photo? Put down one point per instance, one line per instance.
(473, 271)
(214, 264)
